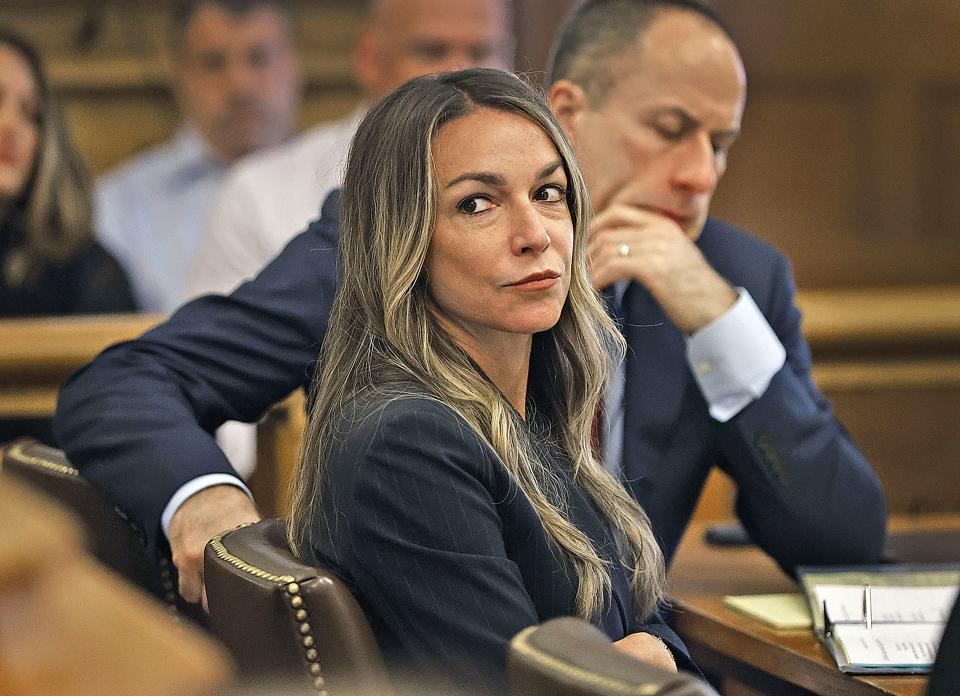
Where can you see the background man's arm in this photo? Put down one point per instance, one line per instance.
(138, 420)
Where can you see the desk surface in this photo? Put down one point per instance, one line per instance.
(748, 652)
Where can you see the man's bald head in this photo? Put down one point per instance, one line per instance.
(408, 38)
(598, 30)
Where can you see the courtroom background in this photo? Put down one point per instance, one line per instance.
(849, 162)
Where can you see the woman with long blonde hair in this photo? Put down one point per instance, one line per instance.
(447, 474)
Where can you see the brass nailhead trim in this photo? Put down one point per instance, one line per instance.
(16, 452)
(221, 551)
(521, 644)
(289, 585)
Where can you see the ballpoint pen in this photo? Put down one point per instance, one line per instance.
(867, 606)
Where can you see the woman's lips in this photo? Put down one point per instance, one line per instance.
(537, 281)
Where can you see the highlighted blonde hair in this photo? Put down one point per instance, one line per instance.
(383, 332)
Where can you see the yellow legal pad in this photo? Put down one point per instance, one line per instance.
(785, 611)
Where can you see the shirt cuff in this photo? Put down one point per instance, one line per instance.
(734, 357)
(195, 486)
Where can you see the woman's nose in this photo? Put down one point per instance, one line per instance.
(530, 234)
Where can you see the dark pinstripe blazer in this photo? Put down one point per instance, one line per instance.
(443, 551)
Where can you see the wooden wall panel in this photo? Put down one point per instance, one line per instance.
(938, 126)
(108, 60)
(808, 159)
(909, 434)
(109, 127)
(888, 162)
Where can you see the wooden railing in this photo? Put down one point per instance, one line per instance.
(37, 355)
(889, 358)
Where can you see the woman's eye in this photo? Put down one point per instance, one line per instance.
(474, 205)
(551, 194)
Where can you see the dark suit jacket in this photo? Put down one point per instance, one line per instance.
(804, 492)
(442, 550)
(137, 421)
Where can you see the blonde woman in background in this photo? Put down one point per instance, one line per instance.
(447, 474)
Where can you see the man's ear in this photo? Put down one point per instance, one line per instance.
(568, 102)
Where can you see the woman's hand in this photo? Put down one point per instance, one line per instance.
(648, 648)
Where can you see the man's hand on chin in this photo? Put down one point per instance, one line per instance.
(630, 243)
(201, 517)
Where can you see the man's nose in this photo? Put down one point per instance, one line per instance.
(530, 234)
(241, 76)
(697, 168)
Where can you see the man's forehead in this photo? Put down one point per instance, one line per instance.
(212, 26)
(681, 59)
(445, 20)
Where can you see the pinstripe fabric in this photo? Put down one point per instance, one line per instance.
(443, 551)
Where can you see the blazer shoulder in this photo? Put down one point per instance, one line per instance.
(719, 239)
(746, 261)
(407, 417)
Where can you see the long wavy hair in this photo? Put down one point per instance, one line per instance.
(53, 210)
(383, 330)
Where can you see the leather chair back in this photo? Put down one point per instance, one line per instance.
(569, 657)
(112, 539)
(284, 619)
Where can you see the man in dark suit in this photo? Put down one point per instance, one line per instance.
(718, 373)
(653, 108)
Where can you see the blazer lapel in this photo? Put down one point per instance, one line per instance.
(657, 377)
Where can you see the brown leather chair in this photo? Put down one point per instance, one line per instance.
(569, 657)
(284, 620)
(111, 537)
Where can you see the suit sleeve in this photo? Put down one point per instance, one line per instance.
(426, 547)
(805, 493)
(138, 420)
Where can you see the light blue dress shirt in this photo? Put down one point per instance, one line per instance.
(150, 212)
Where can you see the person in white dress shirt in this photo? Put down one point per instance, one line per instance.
(236, 80)
(270, 197)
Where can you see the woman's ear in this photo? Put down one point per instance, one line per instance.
(568, 102)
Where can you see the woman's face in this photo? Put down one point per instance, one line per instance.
(500, 257)
(19, 123)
